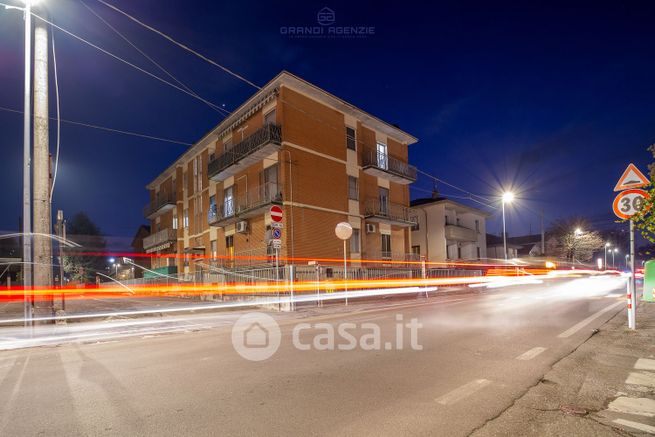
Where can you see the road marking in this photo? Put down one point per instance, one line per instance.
(636, 425)
(639, 406)
(460, 393)
(647, 379)
(531, 353)
(645, 364)
(578, 326)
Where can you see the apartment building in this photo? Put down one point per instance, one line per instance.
(447, 230)
(292, 144)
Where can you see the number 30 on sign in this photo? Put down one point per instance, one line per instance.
(628, 203)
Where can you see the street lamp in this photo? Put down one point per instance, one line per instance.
(616, 250)
(344, 231)
(508, 196)
(606, 246)
(578, 232)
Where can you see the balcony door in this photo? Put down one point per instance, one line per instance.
(383, 160)
(384, 200)
(228, 201)
(269, 186)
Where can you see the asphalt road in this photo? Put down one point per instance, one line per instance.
(479, 353)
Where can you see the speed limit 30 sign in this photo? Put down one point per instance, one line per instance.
(628, 203)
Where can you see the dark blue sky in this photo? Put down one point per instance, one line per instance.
(552, 99)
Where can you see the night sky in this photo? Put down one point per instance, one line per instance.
(551, 100)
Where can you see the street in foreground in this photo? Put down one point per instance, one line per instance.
(480, 352)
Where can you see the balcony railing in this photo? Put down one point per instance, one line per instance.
(252, 149)
(388, 212)
(391, 256)
(159, 205)
(383, 165)
(460, 233)
(245, 205)
(161, 238)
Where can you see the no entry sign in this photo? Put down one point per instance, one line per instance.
(276, 213)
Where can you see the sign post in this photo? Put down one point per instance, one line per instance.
(627, 203)
(276, 220)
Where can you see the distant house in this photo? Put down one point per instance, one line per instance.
(530, 245)
(447, 230)
(496, 249)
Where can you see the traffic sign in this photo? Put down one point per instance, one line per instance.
(277, 233)
(277, 225)
(276, 213)
(631, 178)
(628, 203)
(277, 244)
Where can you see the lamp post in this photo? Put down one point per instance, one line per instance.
(507, 198)
(616, 250)
(344, 231)
(606, 246)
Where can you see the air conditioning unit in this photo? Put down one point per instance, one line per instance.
(370, 228)
(242, 227)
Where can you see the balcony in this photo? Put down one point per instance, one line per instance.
(252, 149)
(160, 240)
(159, 206)
(460, 233)
(384, 166)
(387, 212)
(249, 204)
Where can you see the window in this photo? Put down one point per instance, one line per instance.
(459, 252)
(227, 144)
(353, 192)
(414, 219)
(212, 156)
(384, 200)
(447, 220)
(477, 229)
(457, 221)
(268, 180)
(175, 224)
(416, 250)
(354, 241)
(212, 207)
(269, 117)
(478, 253)
(382, 158)
(185, 219)
(386, 245)
(228, 202)
(351, 139)
(213, 248)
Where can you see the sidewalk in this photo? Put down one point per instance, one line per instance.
(605, 387)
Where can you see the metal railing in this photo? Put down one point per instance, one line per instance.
(373, 207)
(161, 237)
(243, 203)
(158, 203)
(270, 133)
(383, 161)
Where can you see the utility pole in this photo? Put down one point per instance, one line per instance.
(543, 235)
(27, 194)
(41, 172)
(61, 232)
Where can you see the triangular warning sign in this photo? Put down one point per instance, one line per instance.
(632, 178)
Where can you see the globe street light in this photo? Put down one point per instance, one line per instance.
(508, 196)
(344, 231)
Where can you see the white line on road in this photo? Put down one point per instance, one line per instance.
(640, 406)
(531, 353)
(578, 326)
(646, 379)
(460, 393)
(645, 364)
(636, 425)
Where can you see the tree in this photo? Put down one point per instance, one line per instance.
(645, 219)
(79, 266)
(571, 239)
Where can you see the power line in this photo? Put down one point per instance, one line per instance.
(154, 76)
(183, 85)
(181, 45)
(107, 129)
(54, 66)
